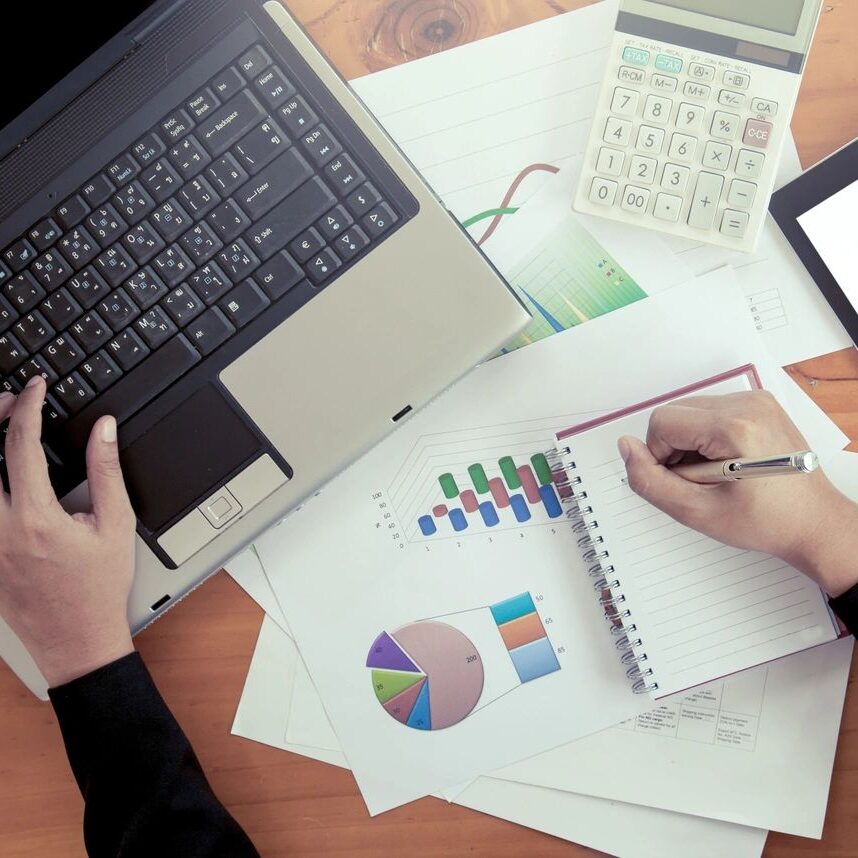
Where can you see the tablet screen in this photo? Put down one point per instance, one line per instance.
(830, 226)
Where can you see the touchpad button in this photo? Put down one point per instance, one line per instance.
(184, 457)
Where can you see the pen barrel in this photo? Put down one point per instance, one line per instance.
(746, 469)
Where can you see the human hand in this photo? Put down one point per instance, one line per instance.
(64, 579)
(802, 519)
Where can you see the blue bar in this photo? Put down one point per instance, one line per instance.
(551, 501)
(458, 520)
(427, 525)
(512, 609)
(520, 508)
(534, 660)
(489, 514)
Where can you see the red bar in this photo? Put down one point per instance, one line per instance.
(440, 511)
(469, 501)
(499, 493)
(529, 484)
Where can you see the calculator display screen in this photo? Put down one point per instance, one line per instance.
(779, 16)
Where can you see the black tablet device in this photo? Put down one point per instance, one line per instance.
(818, 214)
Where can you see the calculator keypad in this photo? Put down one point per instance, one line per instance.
(685, 143)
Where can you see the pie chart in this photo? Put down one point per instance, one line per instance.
(427, 675)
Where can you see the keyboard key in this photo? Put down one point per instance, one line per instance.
(227, 83)
(72, 212)
(334, 222)
(732, 99)
(147, 151)
(610, 161)
(658, 109)
(322, 266)
(636, 56)
(99, 371)
(254, 61)
(667, 207)
(716, 156)
(118, 310)
(307, 245)
(273, 87)
(643, 169)
(106, 225)
(114, 265)
(33, 331)
(198, 197)
(379, 220)
(260, 146)
(5, 273)
(19, 255)
(350, 243)
(172, 266)
(749, 164)
(210, 331)
(763, 107)
(742, 194)
(182, 305)
(78, 247)
(171, 220)
(63, 354)
(682, 147)
(133, 203)
(23, 292)
(155, 328)
(188, 157)
(225, 175)
(735, 224)
(667, 63)
(87, 287)
(320, 145)
(143, 242)
(200, 243)
(202, 103)
(123, 170)
(737, 80)
(228, 220)
(663, 83)
(696, 90)
(689, 117)
(60, 309)
(160, 181)
(145, 287)
(724, 125)
(627, 74)
(176, 125)
(650, 140)
(127, 349)
(244, 303)
(297, 116)
(343, 174)
(701, 72)
(279, 275)
(238, 260)
(704, 204)
(7, 314)
(98, 190)
(44, 234)
(363, 200)
(272, 184)
(11, 354)
(618, 131)
(210, 283)
(757, 133)
(35, 366)
(228, 124)
(675, 178)
(91, 332)
(51, 270)
(635, 199)
(625, 101)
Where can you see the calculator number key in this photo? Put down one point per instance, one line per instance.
(716, 156)
(643, 169)
(610, 161)
(650, 139)
(689, 117)
(658, 109)
(625, 102)
(603, 192)
(618, 132)
(724, 125)
(682, 147)
(675, 178)
(635, 199)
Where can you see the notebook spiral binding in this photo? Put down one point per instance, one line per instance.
(606, 582)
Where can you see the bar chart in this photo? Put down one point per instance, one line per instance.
(525, 638)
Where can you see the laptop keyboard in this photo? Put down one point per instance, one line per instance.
(239, 197)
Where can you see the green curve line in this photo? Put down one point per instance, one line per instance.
(486, 215)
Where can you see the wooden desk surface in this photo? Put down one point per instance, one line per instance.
(199, 654)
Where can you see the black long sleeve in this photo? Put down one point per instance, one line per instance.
(144, 789)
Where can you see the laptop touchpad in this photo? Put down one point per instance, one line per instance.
(185, 456)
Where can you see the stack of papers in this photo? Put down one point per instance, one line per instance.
(376, 622)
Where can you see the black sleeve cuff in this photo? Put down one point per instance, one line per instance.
(846, 608)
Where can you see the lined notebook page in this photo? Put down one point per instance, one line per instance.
(702, 609)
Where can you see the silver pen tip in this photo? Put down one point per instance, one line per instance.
(806, 462)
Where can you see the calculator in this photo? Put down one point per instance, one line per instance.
(693, 114)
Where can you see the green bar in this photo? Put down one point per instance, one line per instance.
(542, 468)
(448, 486)
(479, 479)
(510, 473)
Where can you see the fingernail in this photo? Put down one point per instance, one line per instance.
(35, 380)
(108, 431)
(625, 449)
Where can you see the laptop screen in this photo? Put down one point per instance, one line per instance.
(59, 37)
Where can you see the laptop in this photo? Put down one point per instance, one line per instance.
(206, 234)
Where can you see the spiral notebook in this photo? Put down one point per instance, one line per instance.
(684, 608)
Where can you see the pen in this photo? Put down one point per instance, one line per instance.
(728, 470)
